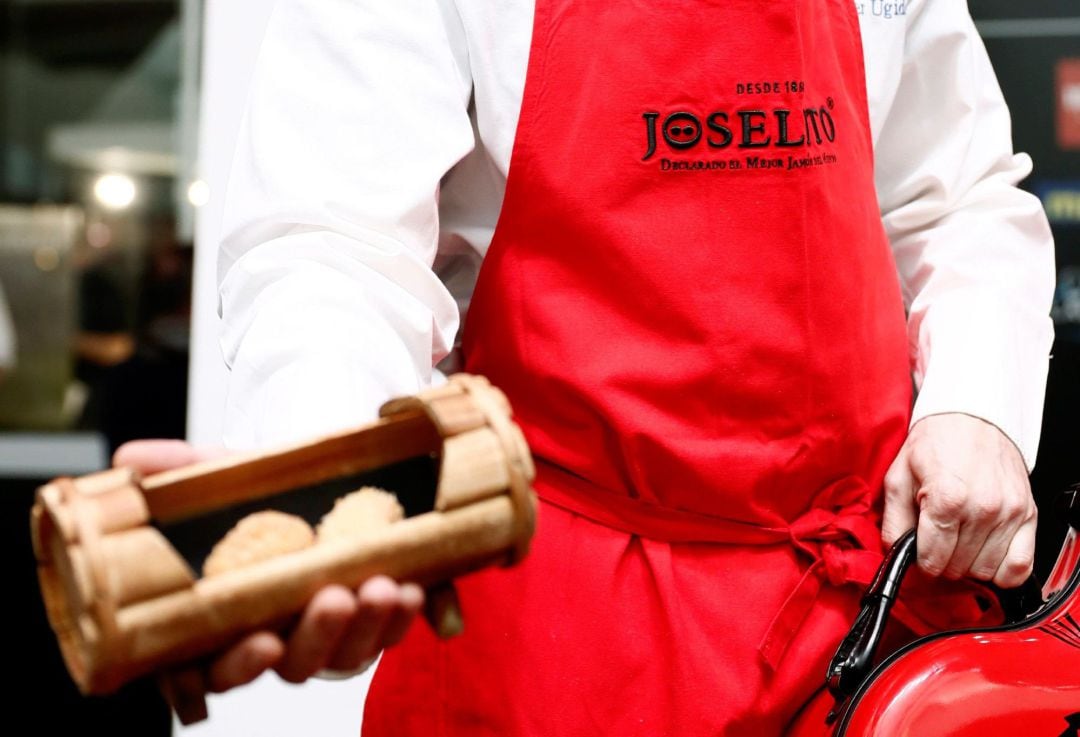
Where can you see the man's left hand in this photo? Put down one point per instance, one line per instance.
(964, 484)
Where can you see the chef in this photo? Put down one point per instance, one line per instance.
(717, 243)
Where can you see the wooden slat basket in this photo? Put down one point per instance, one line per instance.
(124, 603)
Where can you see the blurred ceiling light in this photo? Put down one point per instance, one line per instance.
(114, 191)
(198, 193)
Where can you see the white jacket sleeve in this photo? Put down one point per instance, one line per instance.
(329, 305)
(974, 253)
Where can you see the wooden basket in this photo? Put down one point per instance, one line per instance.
(124, 603)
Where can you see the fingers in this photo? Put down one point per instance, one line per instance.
(340, 630)
(153, 456)
(979, 550)
(967, 529)
(1016, 567)
(1000, 512)
(376, 601)
(317, 634)
(384, 613)
(939, 524)
(412, 598)
(245, 661)
(900, 510)
(990, 514)
(976, 517)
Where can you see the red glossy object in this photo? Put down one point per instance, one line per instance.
(1022, 679)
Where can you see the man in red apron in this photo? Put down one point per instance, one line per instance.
(694, 310)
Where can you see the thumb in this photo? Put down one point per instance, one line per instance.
(901, 511)
(153, 456)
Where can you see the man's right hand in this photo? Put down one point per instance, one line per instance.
(339, 629)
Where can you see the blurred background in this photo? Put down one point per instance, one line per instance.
(117, 119)
(98, 123)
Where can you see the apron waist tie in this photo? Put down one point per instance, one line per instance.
(844, 546)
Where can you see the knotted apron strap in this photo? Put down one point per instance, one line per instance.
(845, 548)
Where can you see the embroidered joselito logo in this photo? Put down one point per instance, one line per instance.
(776, 128)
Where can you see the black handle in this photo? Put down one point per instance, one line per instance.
(854, 658)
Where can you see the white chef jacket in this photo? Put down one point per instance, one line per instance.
(373, 157)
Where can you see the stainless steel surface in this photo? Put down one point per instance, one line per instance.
(46, 455)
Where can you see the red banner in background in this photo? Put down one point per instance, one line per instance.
(1068, 104)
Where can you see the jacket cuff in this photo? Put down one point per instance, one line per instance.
(979, 356)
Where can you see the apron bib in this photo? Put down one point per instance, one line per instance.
(693, 308)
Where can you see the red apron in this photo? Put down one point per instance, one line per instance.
(693, 308)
